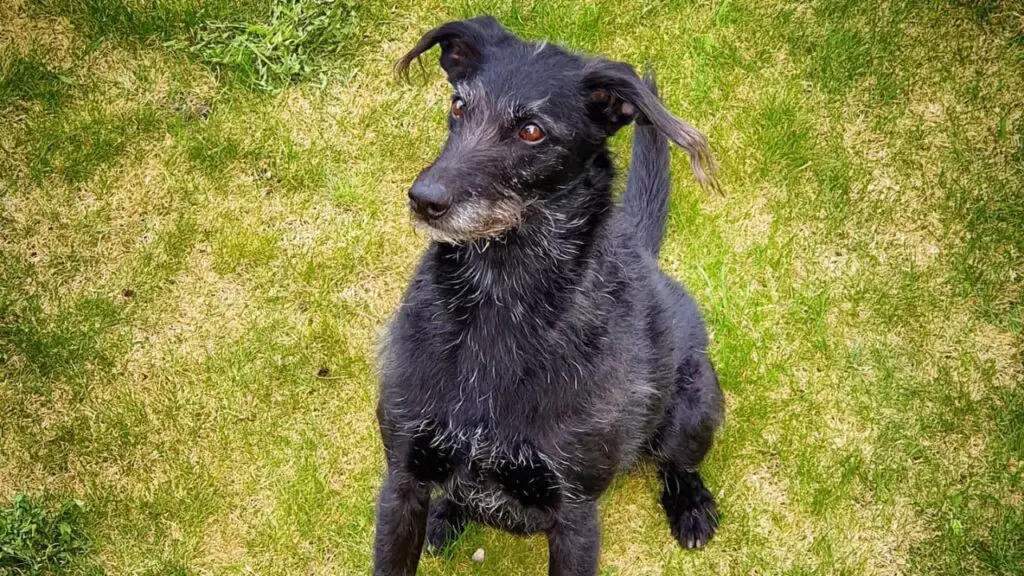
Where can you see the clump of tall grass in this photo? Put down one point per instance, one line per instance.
(293, 45)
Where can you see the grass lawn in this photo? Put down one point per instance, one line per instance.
(203, 229)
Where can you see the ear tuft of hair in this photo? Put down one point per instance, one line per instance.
(621, 81)
(462, 45)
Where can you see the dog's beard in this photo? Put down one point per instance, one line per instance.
(471, 220)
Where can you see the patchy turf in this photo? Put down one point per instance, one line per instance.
(198, 257)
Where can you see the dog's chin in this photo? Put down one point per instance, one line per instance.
(439, 231)
(469, 222)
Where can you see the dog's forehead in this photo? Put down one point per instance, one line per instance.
(527, 72)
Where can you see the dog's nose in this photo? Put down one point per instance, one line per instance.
(429, 199)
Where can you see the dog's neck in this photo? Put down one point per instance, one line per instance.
(548, 254)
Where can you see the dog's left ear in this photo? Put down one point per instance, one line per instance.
(616, 96)
(462, 46)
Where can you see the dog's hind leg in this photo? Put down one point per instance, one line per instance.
(445, 523)
(682, 442)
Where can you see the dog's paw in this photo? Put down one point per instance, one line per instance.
(694, 527)
(691, 513)
(445, 524)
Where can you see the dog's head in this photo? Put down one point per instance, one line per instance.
(525, 121)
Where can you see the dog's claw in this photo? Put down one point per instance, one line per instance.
(694, 528)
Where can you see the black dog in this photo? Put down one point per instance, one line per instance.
(539, 350)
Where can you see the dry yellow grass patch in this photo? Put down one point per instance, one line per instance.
(207, 310)
(52, 38)
(223, 546)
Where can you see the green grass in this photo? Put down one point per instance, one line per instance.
(34, 540)
(196, 272)
(288, 48)
(26, 79)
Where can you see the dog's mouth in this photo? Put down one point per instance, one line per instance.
(470, 220)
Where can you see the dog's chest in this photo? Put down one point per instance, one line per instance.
(484, 470)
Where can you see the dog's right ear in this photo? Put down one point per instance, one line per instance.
(462, 46)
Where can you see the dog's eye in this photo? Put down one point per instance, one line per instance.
(531, 133)
(458, 107)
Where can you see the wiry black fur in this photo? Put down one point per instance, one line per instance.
(539, 350)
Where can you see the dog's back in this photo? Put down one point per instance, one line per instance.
(525, 367)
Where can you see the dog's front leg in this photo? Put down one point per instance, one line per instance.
(574, 542)
(401, 524)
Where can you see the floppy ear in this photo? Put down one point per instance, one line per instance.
(616, 96)
(462, 45)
